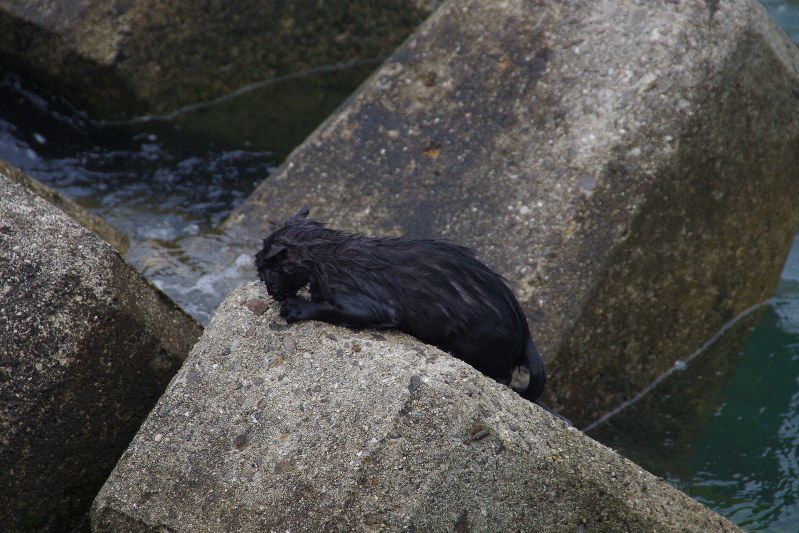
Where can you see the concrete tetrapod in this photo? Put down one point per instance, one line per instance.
(314, 427)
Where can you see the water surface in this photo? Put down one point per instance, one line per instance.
(168, 182)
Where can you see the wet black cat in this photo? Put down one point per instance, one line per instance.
(431, 289)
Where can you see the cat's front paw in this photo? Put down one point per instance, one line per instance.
(295, 309)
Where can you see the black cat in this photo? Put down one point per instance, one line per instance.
(431, 289)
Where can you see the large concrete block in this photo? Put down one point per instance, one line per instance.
(320, 428)
(87, 345)
(152, 56)
(629, 167)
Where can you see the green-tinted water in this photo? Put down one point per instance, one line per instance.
(724, 426)
(744, 462)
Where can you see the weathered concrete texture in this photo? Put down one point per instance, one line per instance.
(87, 345)
(629, 167)
(320, 428)
(148, 56)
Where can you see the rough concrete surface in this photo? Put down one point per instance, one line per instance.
(87, 345)
(120, 58)
(316, 428)
(629, 167)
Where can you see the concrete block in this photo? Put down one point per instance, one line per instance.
(629, 167)
(316, 427)
(87, 345)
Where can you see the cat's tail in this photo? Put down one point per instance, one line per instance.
(538, 378)
(538, 374)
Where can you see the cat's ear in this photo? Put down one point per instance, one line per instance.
(275, 250)
(299, 217)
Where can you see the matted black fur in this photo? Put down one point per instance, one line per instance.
(431, 289)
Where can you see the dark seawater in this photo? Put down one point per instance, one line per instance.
(722, 426)
(169, 181)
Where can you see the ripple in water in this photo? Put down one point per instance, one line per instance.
(168, 190)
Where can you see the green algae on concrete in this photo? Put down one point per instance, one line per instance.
(121, 59)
